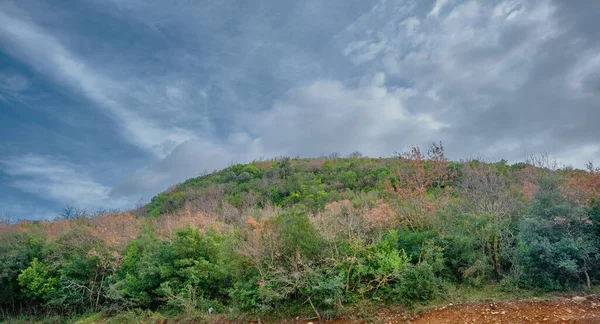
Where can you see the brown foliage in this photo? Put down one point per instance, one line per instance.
(485, 190)
(168, 224)
(116, 230)
(207, 200)
(263, 165)
(415, 209)
(260, 242)
(229, 213)
(529, 185)
(58, 228)
(340, 220)
(583, 187)
(315, 164)
(380, 218)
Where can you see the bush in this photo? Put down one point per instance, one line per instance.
(275, 238)
(557, 246)
(38, 281)
(418, 284)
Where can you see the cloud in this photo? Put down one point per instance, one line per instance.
(197, 87)
(189, 159)
(584, 78)
(508, 76)
(319, 118)
(24, 39)
(579, 155)
(14, 211)
(58, 180)
(468, 73)
(12, 87)
(326, 116)
(437, 7)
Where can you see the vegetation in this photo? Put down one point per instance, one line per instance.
(312, 237)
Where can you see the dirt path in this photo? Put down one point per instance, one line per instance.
(560, 310)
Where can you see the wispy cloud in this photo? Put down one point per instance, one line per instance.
(24, 39)
(58, 180)
(437, 7)
(15, 211)
(12, 87)
(197, 86)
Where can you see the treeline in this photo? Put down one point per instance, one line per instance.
(313, 236)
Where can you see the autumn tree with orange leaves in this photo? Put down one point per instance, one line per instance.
(415, 175)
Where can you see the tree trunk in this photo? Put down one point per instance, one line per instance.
(98, 295)
(587, 278)
(497, 256)
(314, 309)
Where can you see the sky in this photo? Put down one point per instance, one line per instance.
(105, 103)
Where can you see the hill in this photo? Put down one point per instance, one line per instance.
(315, 237)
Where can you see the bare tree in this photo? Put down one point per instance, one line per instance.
(487, 192)
(591, 167)
(355, 154)
(438, 165)
(340, 220)
(542, 160)
(7, 219)
(333, 156)
(70, 212)
(207, 200)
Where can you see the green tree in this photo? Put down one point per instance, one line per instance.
(39, 281)
(557, 246)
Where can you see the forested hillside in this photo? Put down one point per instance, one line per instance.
(314, 237)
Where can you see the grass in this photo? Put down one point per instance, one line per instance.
(368, 311)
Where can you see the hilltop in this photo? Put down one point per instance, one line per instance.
(320, 238)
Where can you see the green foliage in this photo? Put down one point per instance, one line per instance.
(414, 242)
(469, 246)
(418, 284)
(38, 281)
(17, 251)
(377, 267)
(324, 233)
(285, 182)
(557, 244)
(348, 178)
(190, 269)
(298, 235)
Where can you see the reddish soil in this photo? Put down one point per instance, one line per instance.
(560, 310)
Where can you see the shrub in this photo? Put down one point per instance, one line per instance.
(557, 246)
(418, 284)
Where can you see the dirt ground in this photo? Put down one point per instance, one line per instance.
(560, 310)
(585, 310)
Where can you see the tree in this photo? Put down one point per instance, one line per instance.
(286, 252)
(17, 251)
(414, 177)
(70, 212)
(557, 246)
(584, 187)
(38, 281)
(437, 166)
(485, 192)
(6, 219)
(355, 155)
